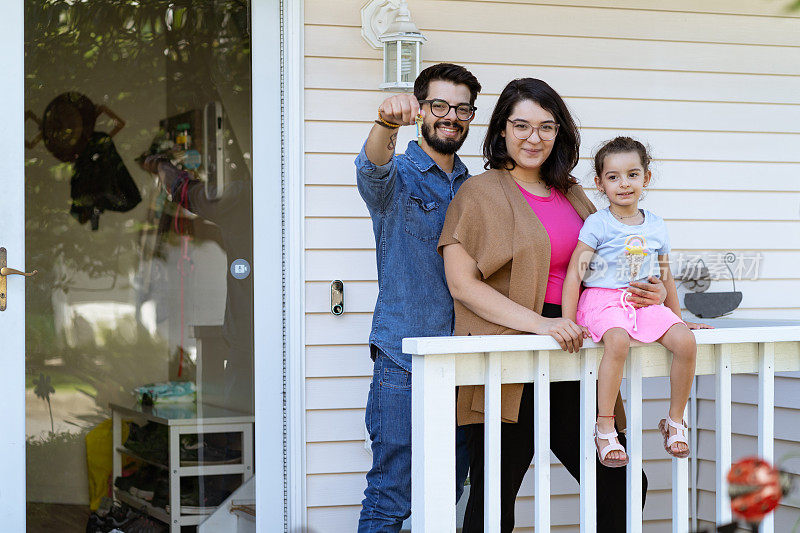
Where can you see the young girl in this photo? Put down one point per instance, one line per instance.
(618, 245)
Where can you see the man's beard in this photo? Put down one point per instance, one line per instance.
(444, 146)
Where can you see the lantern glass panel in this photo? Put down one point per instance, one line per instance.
(390, 62)
(408, 58)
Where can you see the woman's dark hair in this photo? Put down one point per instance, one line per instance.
(447, 72)
(620, 145)
(556, 169)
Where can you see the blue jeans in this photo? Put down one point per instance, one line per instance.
(387, 499)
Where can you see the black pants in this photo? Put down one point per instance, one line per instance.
(517, 454)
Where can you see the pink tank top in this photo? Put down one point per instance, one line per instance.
(563, 225)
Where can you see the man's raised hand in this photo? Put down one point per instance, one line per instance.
(400, 109)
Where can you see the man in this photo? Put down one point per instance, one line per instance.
(407, 196)
(232, 214)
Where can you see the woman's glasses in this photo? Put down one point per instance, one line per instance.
(522, 130)
(440, 109)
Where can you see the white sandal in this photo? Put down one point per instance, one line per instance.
(679, 436)
(612, 446)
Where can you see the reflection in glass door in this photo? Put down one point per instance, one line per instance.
(138, 203)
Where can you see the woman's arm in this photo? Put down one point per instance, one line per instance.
(578, 264)
(466, 286)
(672, 292)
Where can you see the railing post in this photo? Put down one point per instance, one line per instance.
(634, 385)
(766, 414)
(694, 457)
(588, 462)
(433, 443)
(723, 431)
(541, 428)
(680, 491)
(492, 443)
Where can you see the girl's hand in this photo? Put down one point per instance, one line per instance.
(567, 333)
(586, 333)
(698, 325)
(644, 294)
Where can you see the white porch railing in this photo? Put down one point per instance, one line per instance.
(442, 363)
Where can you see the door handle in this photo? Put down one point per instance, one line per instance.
(4, 273)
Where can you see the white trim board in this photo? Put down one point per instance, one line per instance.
(294, 209)
(267, 267)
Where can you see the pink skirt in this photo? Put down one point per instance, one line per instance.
(601, 309)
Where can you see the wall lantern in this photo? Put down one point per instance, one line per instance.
(387, 24)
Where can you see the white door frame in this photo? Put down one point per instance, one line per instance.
(271, 309)
(12, 237)
(278, 132)
(294, 216)
(274, 287)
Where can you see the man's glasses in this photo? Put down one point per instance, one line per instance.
(440, 109)
(522, 130)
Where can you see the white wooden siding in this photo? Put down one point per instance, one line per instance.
(712, 86)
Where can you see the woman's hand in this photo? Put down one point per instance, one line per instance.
(567, 333)
(698, 325)
(644, 294)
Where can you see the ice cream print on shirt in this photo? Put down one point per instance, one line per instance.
(634, 257)
(623, 253)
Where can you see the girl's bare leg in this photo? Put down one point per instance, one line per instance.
(616, 342)
(680, 341)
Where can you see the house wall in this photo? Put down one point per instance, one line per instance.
(712, 86)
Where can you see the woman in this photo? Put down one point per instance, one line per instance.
(506, 242)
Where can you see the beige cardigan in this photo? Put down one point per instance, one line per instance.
(494, 223)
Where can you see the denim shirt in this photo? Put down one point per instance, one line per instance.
(407, 199)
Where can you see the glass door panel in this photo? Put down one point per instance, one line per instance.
(138, 204)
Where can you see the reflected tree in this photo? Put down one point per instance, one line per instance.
(43, 390)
